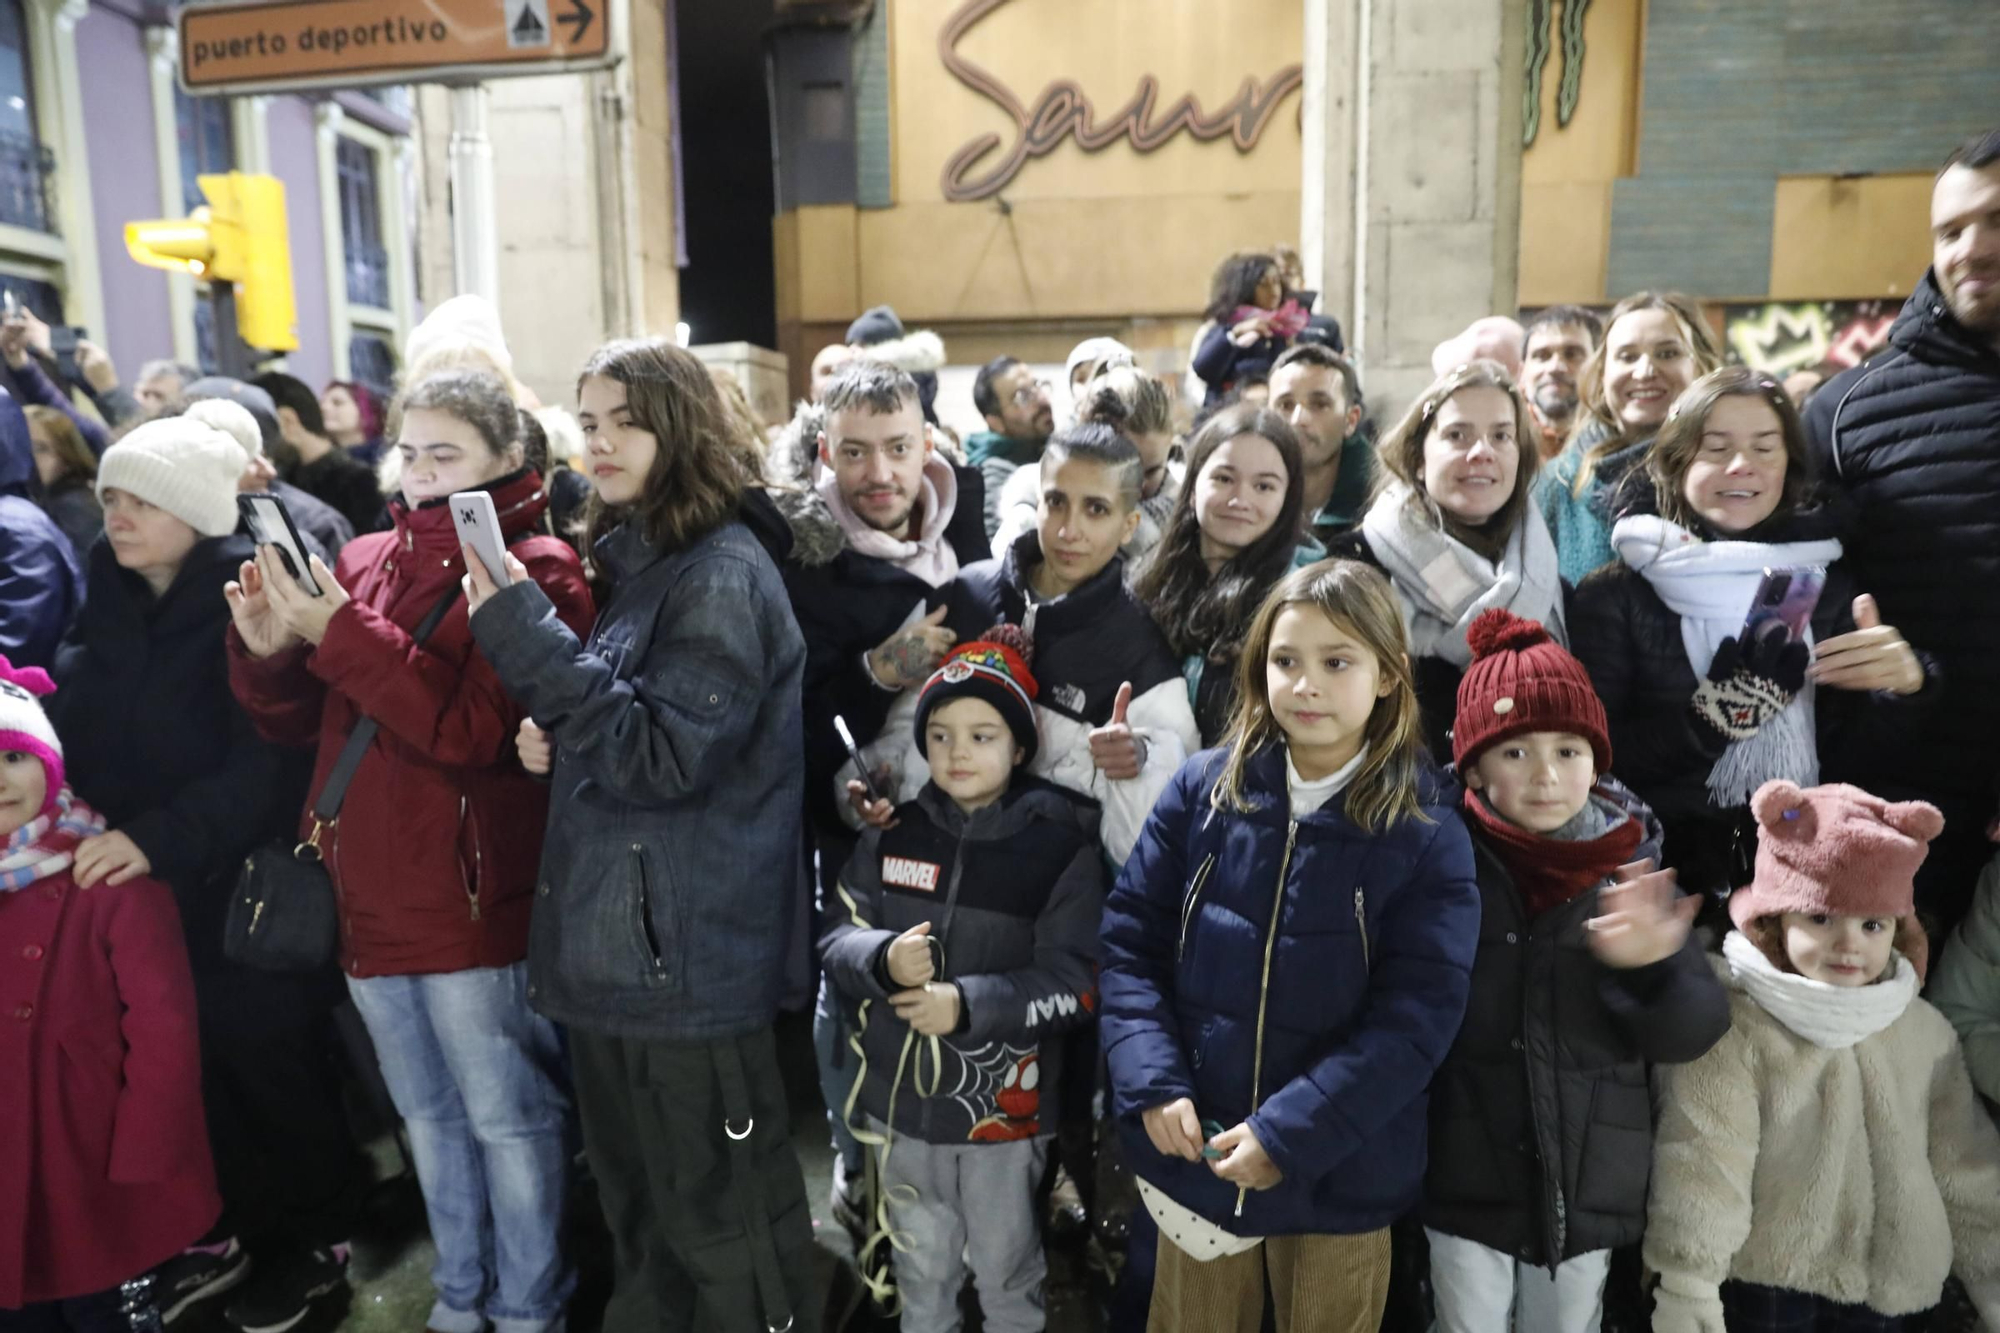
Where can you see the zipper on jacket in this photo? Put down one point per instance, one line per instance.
(646, 932)
(471, 883)
(1361, 924)
(1264, 986)
(1192, 901)
(943, 929)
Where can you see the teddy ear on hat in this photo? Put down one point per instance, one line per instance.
(1915, 819)
(1781, 806)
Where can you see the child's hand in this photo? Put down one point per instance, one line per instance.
(1244, 1161)
(1642, 920)
(931, 1009)
(909, 960)
(875, 814)
(1174, 1129)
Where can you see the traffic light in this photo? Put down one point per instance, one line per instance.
(239, 238)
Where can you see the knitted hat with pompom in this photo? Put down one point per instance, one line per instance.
(1521, 680)
(993, 667)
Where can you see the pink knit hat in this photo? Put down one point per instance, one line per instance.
(25, 728)
(1837, 849)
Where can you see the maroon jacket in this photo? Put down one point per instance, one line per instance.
(440, 837)
(104, 1167)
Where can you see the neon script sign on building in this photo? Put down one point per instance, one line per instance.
(1063, 111)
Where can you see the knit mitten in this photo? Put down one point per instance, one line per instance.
(1748, 687)
(1682, 1305)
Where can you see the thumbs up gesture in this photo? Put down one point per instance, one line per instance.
(1118, 753)
(1872, 657)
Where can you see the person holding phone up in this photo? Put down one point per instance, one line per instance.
(1701, 713)
(434, 853)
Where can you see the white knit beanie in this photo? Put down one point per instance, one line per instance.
(184, 465)
(462, 324)
(233, 420)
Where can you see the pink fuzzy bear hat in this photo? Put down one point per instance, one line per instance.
(1839, 850)
(25, 727)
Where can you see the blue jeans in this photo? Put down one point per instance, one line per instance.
(477, 1077)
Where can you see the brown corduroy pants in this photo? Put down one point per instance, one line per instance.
(1321, 1284)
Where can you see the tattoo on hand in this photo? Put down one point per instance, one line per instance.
(909, 658)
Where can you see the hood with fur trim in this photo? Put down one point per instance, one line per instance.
(918, 353)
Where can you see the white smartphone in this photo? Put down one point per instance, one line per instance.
(270, 524)
(478, 525)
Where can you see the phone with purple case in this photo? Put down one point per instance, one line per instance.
(1784, 603)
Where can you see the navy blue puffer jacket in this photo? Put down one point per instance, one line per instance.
(1368, 977)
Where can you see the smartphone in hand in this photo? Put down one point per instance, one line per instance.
(1783, 606)
(860, 764)
(478, 525)
(270, 524)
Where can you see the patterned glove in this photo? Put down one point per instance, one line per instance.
(1747, 688)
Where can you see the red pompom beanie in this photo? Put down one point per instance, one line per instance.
(1520, 680)
(993, 667)
(1839, 850)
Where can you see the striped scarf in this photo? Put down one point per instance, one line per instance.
(46, 846)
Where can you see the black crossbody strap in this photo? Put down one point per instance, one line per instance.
(327, 809)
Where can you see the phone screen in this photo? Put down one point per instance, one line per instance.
(270, 524)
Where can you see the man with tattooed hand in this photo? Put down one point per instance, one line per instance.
(880, 525)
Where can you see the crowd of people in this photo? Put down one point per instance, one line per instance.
(1481, 872)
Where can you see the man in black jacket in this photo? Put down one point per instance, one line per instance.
(881, 523)
(324, 469)
(1913, 438)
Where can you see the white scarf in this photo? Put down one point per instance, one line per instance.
(1834, 1017)
(1710, 586)
(1444, 584)
(930, 557)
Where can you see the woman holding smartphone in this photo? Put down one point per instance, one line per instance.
(673, 740)
(433, 856)
(1700, 717)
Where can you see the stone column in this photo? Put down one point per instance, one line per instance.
(1411, 191)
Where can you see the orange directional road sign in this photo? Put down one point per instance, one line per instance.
(282, 45)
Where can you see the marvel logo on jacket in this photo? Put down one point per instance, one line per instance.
(1014, 891)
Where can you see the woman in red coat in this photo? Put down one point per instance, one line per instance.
(104, 1166)
(435, 851)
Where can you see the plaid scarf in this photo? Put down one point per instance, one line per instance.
(46, 846)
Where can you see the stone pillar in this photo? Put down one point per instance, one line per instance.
(1411, 191)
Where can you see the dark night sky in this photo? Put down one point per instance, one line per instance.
(727, 289)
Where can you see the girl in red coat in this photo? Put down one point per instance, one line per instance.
(104, 1166)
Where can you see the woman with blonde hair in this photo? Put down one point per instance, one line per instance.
(1655, 345)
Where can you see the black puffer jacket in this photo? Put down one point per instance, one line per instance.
(1541, 1119)
(1913, 439)
(1630, 643)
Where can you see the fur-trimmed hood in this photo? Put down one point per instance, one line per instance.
(918, 353)
(816, 535)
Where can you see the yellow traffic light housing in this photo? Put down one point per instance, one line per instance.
(240, 237)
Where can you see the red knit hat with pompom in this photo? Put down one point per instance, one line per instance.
(993, 667)
(1521, 680)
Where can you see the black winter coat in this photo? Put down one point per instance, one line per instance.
(1630, 643)
(153, 738)
(1222, 365)
(1913, 440)
(1541, 1118)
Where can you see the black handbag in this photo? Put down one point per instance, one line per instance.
(283, 916)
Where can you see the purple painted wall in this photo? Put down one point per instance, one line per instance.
(295, 160)
(124, 184)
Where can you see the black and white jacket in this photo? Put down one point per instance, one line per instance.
(1087, 644)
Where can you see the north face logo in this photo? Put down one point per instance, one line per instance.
(1068, 698)
(904, 873)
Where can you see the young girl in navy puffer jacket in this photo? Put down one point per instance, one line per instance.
(1286, 961)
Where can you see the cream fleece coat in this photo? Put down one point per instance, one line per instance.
(1863, 1174)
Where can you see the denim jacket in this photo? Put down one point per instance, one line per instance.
(673, 855)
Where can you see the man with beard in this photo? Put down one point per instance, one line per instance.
(881, 523)
(1316, 391)
(1557, 343)
(1019, 420)
(1912, 438)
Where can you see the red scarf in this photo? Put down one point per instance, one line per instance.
(1549, 872)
